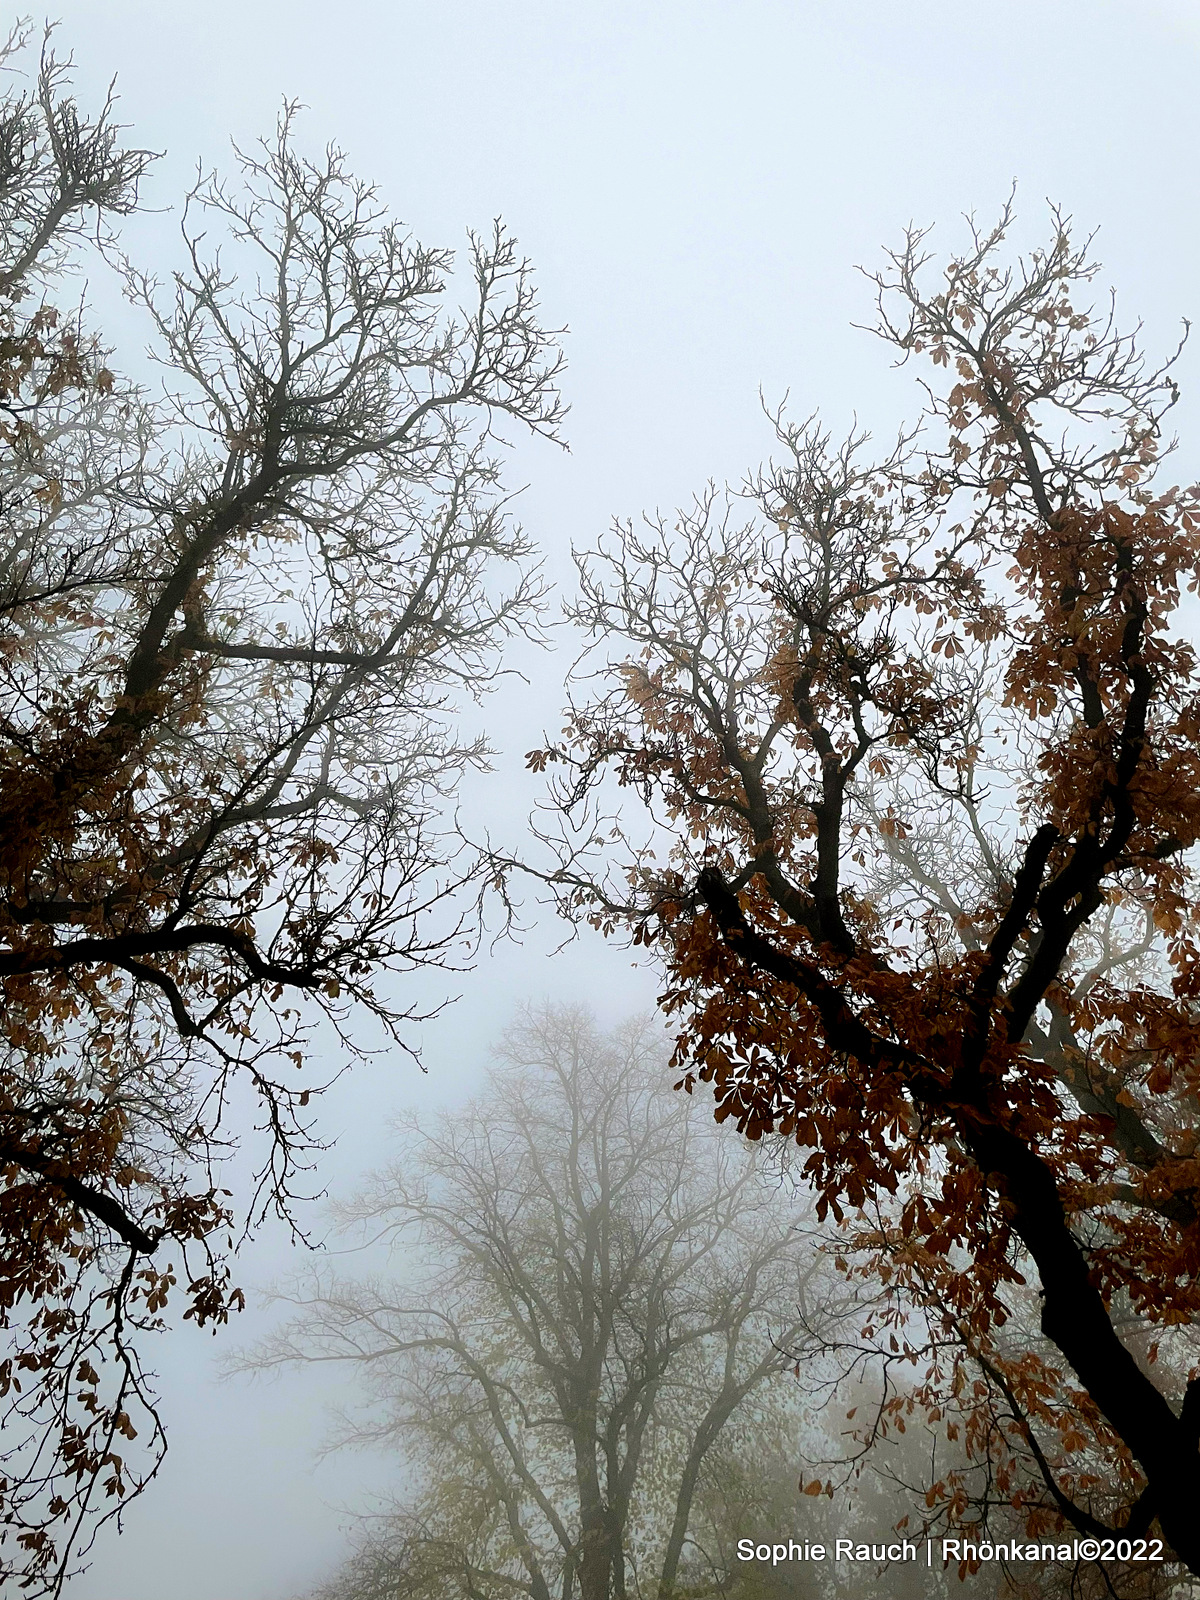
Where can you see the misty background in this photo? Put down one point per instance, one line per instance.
(694, 185)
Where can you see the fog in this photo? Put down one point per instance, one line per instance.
(695, 184)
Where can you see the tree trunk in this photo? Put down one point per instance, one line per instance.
(1076, 1320)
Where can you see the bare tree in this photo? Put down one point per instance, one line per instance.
(581, 1364)
(238, 622)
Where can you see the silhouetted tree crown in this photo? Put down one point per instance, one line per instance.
(913, 746)
(578, 1350)
(237, 620)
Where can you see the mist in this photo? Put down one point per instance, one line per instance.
(695, 186)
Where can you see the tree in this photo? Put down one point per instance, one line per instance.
(921, 748)
(580, 1365)
(238, 621)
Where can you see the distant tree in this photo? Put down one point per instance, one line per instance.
(919, 758)
(236, 623)
(579, 1363)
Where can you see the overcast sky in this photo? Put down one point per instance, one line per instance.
(695, 184)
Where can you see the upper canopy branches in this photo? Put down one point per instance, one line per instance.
(239, 620)
(920, 744)
(1053, 404)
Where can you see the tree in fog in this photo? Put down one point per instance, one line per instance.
(237, 619)
(579, 1363)
(909, 803)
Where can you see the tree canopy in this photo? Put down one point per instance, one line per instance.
(578, 1351)
(237, 618)
(891, 761)
(911, 786)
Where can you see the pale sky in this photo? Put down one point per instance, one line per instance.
(695, 184)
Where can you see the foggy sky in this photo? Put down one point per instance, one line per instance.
(695, 184)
